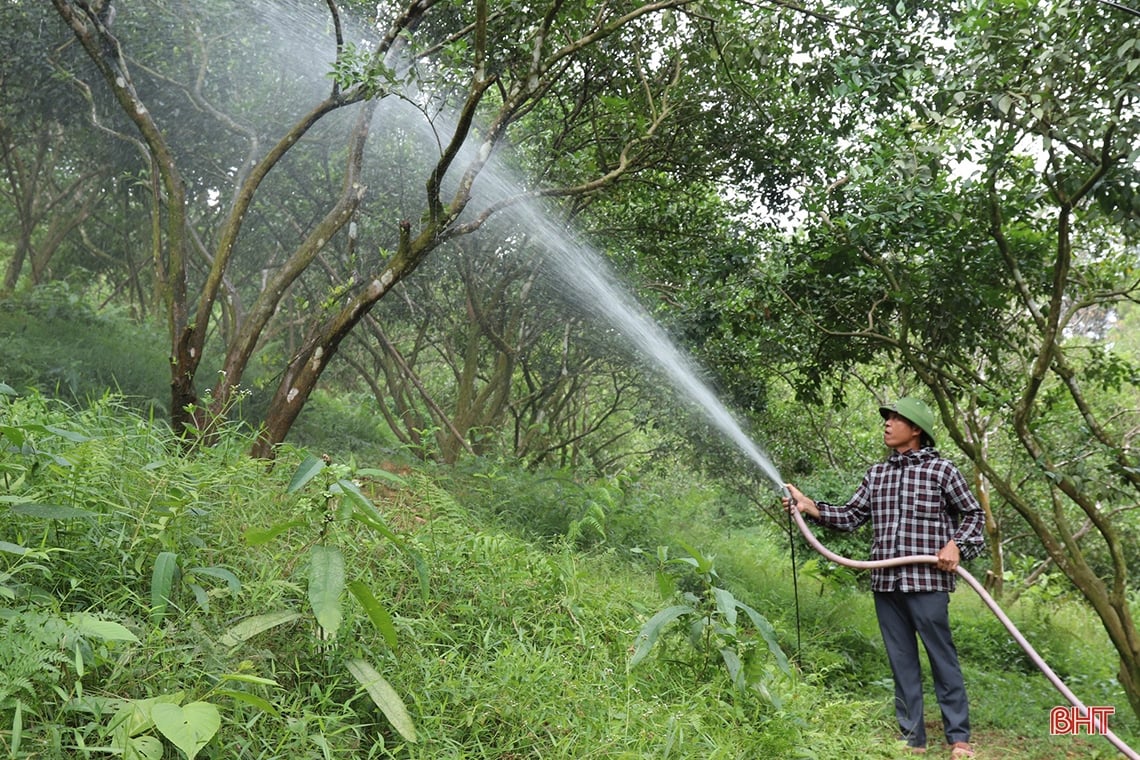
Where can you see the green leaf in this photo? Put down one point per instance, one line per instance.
(133, 717)
(421, 570)
(366, 512)
(376, 612)
(52, 511)
(385, 698)
(247, 678)
(666, 584)
(251, 626)
(11, 548)
(261, 703)
(15, 435)
(326, 585)
(36, 427)
(200, 596)
(221, 573)
(88, 625)
(144, 747)
(69, 435)
(162, 581)
(17, 728)
(726, 603)
(653, 627)
(702, 563)
(735, 667)
(772, 698)
(346, 487)
(305, 472)
(188, 727)
(768, 633)
(256, 537)
(391, 477)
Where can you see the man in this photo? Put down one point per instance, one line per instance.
(918, 503)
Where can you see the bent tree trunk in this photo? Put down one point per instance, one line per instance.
(1108, 600)
(104, 50)
(321, 344)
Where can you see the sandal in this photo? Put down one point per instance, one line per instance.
(960, 750)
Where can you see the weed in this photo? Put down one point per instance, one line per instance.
(712, 613)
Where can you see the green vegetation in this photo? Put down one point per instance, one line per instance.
(52, 339)
(158, 604)
(328, 209)
(493, 531)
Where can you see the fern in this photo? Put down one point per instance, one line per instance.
(30, 659)
(491, 548)
(438, 502)
(590, 527)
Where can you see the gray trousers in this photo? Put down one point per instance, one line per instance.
(902, 616)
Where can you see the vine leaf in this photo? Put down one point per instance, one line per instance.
(189, 727)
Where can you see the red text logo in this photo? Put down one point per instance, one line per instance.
(1071, 720)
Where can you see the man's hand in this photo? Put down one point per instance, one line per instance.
(949, 557)
(799, 501)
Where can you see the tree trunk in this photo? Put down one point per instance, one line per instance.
(995, 577)
(1109, 602)
(309, 363)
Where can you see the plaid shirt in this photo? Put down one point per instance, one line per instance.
(917, 502)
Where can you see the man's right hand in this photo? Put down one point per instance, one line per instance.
(799, 501)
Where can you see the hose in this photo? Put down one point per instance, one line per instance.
(913, 559)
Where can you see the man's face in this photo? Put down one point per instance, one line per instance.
(901, 434)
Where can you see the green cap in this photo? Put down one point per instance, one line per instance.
(915, 411)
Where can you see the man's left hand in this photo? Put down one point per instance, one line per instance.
(949, 557)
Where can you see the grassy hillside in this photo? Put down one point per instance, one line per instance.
(158, 604)
(52, 340)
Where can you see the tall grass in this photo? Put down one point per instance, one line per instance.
(51, 339)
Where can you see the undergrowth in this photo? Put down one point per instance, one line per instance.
(51, 339)
(159, 604)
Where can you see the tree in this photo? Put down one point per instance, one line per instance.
(975, 241)
(470, 72)
(50, 189)
(486, 354)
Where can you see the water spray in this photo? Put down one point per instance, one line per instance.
(973, 583)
